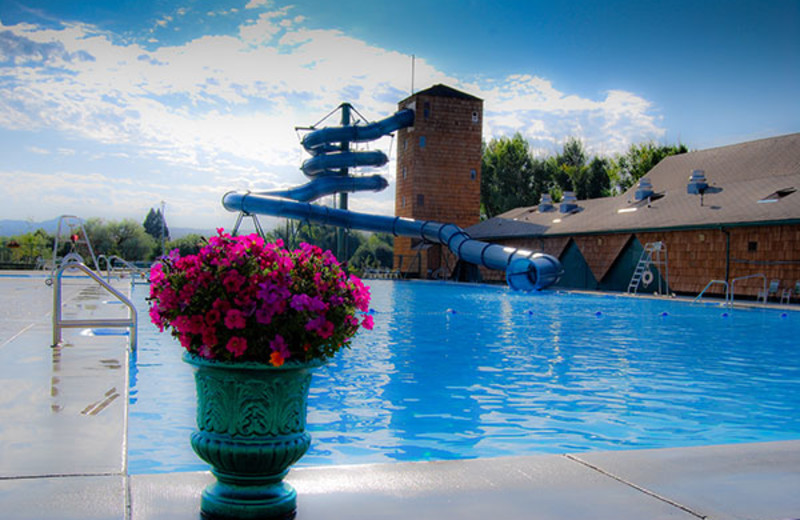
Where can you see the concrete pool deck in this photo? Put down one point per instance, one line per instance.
(63, 450)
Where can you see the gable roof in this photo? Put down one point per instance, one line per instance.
(746, 173)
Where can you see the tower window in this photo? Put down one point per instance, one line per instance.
(475, 117)
(420, 200)
(405, 143)
(752, 246)
(422, 141)
(403, 202)
(473, 174)
(404, 172)
(426, 110)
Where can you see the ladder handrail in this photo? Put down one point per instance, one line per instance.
(758, 275)
(110, 266)
(59, 323)
(709, 284)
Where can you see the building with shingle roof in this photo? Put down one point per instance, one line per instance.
(718, 214)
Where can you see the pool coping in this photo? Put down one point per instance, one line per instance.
(63, 465)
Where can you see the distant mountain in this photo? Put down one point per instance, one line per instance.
(175, 233)
(10, 228)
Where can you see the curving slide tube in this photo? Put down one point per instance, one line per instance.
(322, 186)
(525, 270)
(330, 163)
(319, 141)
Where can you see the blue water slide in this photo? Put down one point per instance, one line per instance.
(332, 163)
(323, 186)
(320, 140)
(525, 270)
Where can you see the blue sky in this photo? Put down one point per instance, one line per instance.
(109, 107)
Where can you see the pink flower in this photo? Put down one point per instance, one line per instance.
(156, 318)
(233, 281)
(234, 319)
(236, 345)
(212, 317)
(367, 322)
(210, 338)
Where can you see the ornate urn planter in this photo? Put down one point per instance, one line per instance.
(251, 420)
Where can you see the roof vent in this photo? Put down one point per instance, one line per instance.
(569, 203)
(645, 190)
(546, 203)
(697, 183)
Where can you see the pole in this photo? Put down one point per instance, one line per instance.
(341, 246)
(163, 232)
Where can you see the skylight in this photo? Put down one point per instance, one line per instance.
(777, 195)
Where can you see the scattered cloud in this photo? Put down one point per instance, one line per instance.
(218, 112)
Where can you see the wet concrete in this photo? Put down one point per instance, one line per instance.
(63, 440)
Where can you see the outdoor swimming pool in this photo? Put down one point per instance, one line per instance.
(462, 371)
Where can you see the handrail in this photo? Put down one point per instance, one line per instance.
(59, 323)
(713, 282)
(759, 275)
(134, 270)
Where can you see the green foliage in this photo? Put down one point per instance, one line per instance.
(628, 168)
(376, 252)
(509, 176)
(188, 245)
(293, 233)
(131, 242)
(31, 246)
(155, 225)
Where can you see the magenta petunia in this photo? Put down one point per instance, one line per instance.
(234, 319)
(236, 345)
(241, 298)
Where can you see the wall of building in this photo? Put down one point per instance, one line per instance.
(438, 172)
(695, 257)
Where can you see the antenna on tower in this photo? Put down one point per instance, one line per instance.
(413, 63)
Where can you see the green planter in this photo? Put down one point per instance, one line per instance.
(251, 420)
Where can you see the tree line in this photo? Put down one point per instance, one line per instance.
(512, 177)
(147, 241)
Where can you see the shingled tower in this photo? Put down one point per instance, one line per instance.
(438, 173)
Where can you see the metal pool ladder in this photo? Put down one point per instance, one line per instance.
(715, 282)
(72, 262)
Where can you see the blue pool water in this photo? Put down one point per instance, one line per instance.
(461, 371)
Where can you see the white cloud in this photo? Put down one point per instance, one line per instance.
(534, 107)
(222, 109)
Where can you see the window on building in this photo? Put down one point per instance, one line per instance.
(475, 117)
(473, 174)
(420, 200)
(422, 141)
(426, 109)
(752, 246)
(404, 172)
(403, 202)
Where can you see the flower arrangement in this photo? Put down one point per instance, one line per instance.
(241, 299)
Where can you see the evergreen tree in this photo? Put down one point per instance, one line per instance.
(508, 176)
(155, 225)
